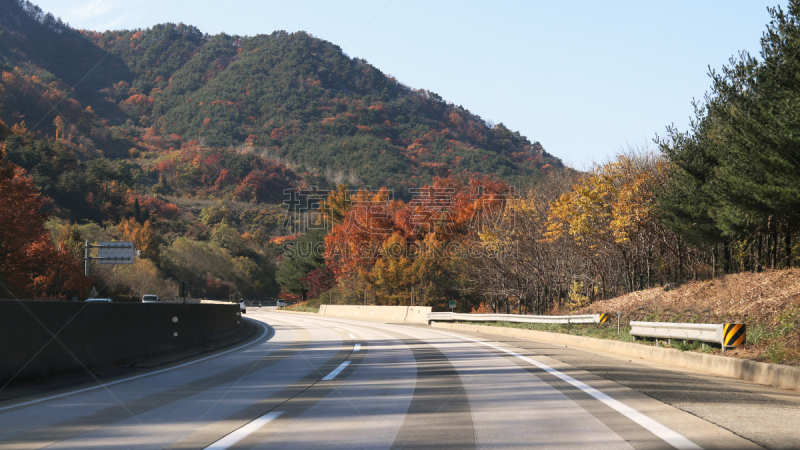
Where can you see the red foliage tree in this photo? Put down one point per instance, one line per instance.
(318, 281)
(265, 185)
(224, 179)
(218, 289)
(30, 265)
(452, 207)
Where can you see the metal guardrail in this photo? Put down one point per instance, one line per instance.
(725, 334)
(517, 318)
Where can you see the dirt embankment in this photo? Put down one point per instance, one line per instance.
(768, 302)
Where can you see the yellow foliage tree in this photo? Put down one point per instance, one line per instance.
(577, 299)
(59, 123)
(609, 214)
(392, 276)
(610, 205)
(334, 208)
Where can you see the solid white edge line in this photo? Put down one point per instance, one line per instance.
(667, 435)
(351, 336)
(336, 371)
(231, 439)
(357, 347)
(53, 397)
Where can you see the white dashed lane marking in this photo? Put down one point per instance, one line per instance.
(336, 371)
(231, 439)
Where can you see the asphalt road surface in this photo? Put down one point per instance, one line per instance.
(309, 382)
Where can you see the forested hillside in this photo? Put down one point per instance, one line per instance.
(285, 96)
(185, 142)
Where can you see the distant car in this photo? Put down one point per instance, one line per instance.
(256, 303)
(242, 307)
(149, 299)
(281, 303)
(105, 300)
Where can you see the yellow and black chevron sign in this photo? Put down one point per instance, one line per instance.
(604, 317)
(733, 334)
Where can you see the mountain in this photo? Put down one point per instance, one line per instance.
(289, 98)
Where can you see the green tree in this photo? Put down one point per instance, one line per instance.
(226, 237)
(299, 259)
(736, 170)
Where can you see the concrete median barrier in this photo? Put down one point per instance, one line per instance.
(44, 338)
(415, 314)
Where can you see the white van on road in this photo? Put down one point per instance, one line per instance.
(149, 299)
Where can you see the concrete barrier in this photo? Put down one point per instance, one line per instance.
(786, 377)
(515, 318)
(415, 314)
(97, 335)
(199, 301)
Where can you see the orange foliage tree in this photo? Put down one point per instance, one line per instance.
(391, 246)
(144, 237)
(353, 245)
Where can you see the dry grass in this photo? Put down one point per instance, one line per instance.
(303, 307)
(768, 302)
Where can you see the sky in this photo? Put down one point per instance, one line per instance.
(587, 79)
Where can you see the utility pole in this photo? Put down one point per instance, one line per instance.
(86, 260)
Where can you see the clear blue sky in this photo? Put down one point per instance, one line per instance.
(585, 78)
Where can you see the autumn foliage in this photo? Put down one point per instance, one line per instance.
(385, 246)
(30, 265)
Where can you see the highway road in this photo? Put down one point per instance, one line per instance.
(308, 382)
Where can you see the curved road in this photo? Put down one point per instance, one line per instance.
(317, 382)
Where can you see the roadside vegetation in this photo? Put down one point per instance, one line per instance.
(599, 330)
(303, 307)
(768, 303)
